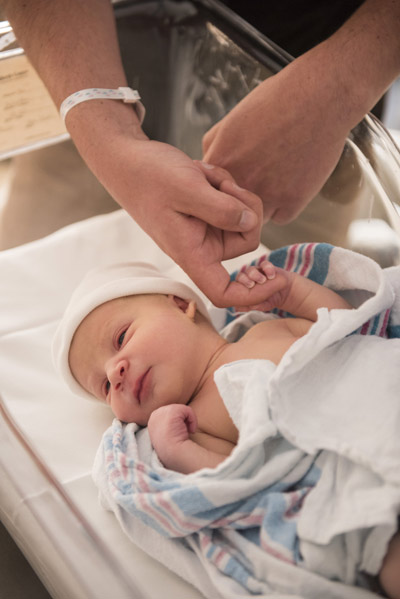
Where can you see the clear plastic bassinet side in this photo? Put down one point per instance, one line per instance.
(211, 61)
(64, 549)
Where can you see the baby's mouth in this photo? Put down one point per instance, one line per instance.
(139, 386)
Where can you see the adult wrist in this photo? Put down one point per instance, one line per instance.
(124, 94)
(362, 58)
(100, 121)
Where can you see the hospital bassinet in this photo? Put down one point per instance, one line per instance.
(192, 61)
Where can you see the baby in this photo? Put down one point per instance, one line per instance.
(149, 351)
(143, 344)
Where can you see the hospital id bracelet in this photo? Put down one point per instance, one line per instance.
(126, 94)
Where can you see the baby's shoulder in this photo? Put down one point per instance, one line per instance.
(272, 338)
(279, 327)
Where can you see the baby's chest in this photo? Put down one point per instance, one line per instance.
(215, 428)
(268, 340)
(212, 443)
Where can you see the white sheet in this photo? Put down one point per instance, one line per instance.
(36, 281)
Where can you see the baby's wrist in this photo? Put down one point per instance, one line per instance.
(171, 453)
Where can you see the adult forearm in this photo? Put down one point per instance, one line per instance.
(73, 45)
(355, 66)
(66, 42)
(294, 125)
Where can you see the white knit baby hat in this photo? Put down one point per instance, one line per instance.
(102, 285)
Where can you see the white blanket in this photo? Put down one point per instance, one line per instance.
(326, 416)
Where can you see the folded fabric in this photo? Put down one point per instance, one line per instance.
(311, 492)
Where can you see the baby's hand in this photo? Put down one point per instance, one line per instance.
(169, 427)
(276, 280)
(250, 275)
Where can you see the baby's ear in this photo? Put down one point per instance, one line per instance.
(188, 307)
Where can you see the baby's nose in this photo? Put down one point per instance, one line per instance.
(118, 373)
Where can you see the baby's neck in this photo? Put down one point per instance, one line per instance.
(216, 349)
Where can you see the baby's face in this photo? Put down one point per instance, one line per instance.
(137, 354)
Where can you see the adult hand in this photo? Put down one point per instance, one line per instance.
(278, 142)
(195, 213)
(285, 138)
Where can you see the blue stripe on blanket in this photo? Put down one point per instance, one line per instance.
(393, 331)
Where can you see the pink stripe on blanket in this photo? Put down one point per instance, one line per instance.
(219, 556)
(307, 258)
(268, 548)
(205, 541)
(383, 332)
(141, 472)
(125, 469)
(168, 507)
(291, 256)
(365, 327)
(146, 505)
(254, 519)
(148, 509)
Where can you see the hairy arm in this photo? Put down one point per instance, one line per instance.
(73, 45)
(294, 125)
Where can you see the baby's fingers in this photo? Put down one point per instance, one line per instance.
(268, 269)
(190, 419)
(250, 275)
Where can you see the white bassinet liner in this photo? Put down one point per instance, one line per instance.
(77, 548)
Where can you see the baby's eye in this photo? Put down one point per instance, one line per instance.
(120, 339)
(107, 387)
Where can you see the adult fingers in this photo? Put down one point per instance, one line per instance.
(223, 210)
(212, 196)
(214, 174)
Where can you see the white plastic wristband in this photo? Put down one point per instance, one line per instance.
(7, 39)
(126, 94)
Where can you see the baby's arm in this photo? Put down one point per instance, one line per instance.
(169, 429)
(289, 291)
